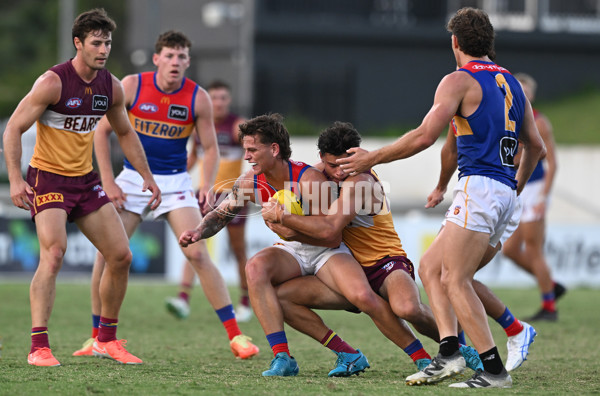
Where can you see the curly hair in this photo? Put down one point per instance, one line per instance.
(474, 31)
(270, 129)
(91, 21)
(171, 39)
(338, 138)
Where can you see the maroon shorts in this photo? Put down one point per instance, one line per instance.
(377, 273)
(239, 219)
(76, 195)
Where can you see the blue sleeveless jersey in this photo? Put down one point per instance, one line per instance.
(487, 140)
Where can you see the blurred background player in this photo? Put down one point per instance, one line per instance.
(227, 128)
(526, 246)
(165, 108)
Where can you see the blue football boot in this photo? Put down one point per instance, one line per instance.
(471, 357)
(283, 365)
(348, 364)
(422, 363)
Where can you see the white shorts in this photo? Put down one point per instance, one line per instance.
(310, 258)
(176, 192)
(531, 196)
(513, 223)
(482, 204)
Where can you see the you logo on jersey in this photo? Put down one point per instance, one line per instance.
(100, 103)
(508, 150)
(177, 112)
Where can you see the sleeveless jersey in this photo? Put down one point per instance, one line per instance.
(232, 153)
(163, 122)
(538, 172)
(65, 131)
(373, 237)
(487, 140)
(263, 190)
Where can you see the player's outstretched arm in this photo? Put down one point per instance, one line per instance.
(449, 163)
(45, 91)
(217, 219)
(448, 97)
(359, 191)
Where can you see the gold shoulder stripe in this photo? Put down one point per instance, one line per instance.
(461, 126)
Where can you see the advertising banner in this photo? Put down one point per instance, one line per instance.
(20, 250)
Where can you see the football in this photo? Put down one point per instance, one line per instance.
(290, 202)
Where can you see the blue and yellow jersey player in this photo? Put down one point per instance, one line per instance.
(165, 108)
(491, 113)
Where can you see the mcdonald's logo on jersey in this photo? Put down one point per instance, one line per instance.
(165, 100)
(88, 90)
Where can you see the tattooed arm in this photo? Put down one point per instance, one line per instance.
(218, 218)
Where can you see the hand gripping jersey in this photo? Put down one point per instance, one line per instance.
(164, 122)
(487, 140)
(371, 237)
(65, 131)
(263, 191)
(231, 152)
(539, 171)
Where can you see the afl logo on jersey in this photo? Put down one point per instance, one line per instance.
(73, 103)
(177, 112)
(148, 107)
(100, 102)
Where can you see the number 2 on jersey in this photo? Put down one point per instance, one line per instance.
(509, 124)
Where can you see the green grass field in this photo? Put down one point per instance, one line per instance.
(193, 357)
(574, 118)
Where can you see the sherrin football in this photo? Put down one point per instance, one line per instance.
(290, 202)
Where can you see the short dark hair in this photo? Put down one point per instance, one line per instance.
(172, 39)
(91, 21)
(338, 138)
(218, 84)
(270, 129)
(474, 32)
